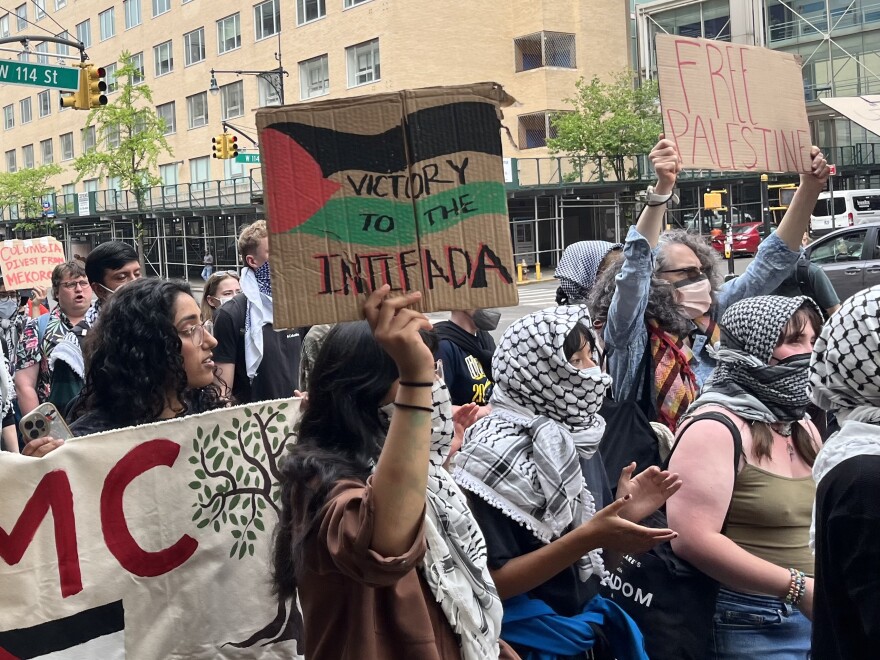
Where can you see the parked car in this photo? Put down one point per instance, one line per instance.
(851, 207)
(715, 220)
(746, 238)
(850, 257)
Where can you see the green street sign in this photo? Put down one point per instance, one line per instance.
(38, 75)
(248, 158)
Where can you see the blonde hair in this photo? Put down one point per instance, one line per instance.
(250, 237)
(210, 289)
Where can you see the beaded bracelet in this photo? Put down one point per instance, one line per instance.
(407, 406)
(797, 587)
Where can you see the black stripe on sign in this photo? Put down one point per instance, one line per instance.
(64, 633)
(431, 133)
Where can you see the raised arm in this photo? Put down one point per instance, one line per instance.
(796, 220)
(667, 165)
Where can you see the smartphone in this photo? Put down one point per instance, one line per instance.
(42, 421)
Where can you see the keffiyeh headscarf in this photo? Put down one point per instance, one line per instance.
(845, 378)
(744, 381)
(579, 266)
(455, 565)
(256, 286)
(523, 458)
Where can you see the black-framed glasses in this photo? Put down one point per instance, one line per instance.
(690, 271)
(197, 332)
(9, 295)
(82, 284)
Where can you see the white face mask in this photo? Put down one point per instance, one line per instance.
(222, 300)
(592, 372)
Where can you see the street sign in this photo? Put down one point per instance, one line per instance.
(832, 169)
(38, 75)
(248, 157)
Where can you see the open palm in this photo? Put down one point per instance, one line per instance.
(649, 489)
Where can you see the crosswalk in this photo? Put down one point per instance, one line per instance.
(538, 297)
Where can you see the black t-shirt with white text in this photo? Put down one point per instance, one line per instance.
(464, 376)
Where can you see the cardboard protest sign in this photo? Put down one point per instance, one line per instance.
(863, 110)
(732, 107)
(148, 543)
(29, 263)
(405, 189)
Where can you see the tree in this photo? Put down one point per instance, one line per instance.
(610, 121)
(130, 138)
(25, 190)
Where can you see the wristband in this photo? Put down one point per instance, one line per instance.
(409, 383)
(655, 199)
(406, 406)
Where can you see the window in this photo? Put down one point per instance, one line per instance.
(232, 100)
(194, 46)
(353, 3)
(39, 9)
(21, 17)
(163, 58)
(27, 156)
(233, 170)
(47, 151)
(63, 49)
(84, 33)
(268, 88)
(132, 10)
(866, 202)
(541, 49)
(111, 135)
(8, 116)
(11, 165)
(309, 10)
(314, 77)
(24, 57)
(44, 103)
(363, 63)
(90, 185)
(228, 34)
(66, 146)
(197, 109)
(267, 19)
(108, 23)
(60, 4)
(168, 174)
(848, 247)
(199, 172)
(166, 113)
(111, 79)
(137, 60)
(161, 6)
(42, 50)
(4, 26)
(68, 197)
(88, 139)
(535, 129)
(24, 110)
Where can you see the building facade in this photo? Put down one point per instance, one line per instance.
(327, 49)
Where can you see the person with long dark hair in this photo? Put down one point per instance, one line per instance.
(750, 530)
(374, 537)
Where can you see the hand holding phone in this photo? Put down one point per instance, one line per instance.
(44, 421)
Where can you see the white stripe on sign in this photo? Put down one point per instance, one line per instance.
(108, 647)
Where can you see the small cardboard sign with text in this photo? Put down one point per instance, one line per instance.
(405, 189)
(731, 107)
(29, 263)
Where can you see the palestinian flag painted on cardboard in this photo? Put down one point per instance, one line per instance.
(95, 634)
(405, 189)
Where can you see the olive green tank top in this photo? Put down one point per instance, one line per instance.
(770, 517)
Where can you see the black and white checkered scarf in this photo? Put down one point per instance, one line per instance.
(579, 266)
(523, 458)
(744, 380)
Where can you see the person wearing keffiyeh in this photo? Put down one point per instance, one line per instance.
(538, 491)
(845, 379)
(744, 519)
(580, 265)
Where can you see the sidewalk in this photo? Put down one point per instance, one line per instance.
(547, 275)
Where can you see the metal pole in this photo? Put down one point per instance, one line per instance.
(831, 202)
(729, 237)
(765, 205)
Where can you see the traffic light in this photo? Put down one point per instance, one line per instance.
(231, 146)
(95, 86)
(220, 150)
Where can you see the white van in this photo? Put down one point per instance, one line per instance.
(851, 207)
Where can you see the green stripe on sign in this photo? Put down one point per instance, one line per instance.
(384, 223)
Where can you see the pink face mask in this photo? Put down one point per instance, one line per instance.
(694, 295)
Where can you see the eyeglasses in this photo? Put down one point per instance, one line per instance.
(690, 271)
(9, 295)
(82, 284)
(197, 332)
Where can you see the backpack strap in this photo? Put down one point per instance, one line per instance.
(715, 417)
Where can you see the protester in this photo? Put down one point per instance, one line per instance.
(751, 533)
(374, 536)
(466, 349)
(41, 335)
(256, 361)
(109, 266)
(220, 288)
(666, 295)
(580, 266)
(208, 261)
(9, 439)
(537, 488)
(845, 379)
(808, 279)
(311, 346)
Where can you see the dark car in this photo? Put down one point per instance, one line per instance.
(850, 257)
(746, 238)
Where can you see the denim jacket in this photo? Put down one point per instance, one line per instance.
(626, 334)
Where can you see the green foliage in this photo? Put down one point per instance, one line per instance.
(25, 190)
(129, 136)
(610, 120)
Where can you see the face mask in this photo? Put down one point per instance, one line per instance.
(223, 299)
(486, 319)
(694, 296)
(592, 372)
(7, 308)
(109, 291)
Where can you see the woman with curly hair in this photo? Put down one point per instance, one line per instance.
(663, 300)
